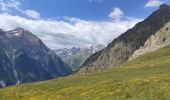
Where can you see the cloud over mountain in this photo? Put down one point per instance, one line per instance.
(67, 31)
(73, 32)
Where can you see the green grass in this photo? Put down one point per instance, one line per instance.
(144, 78)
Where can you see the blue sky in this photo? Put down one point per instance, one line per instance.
(86, 9)
(80, 23)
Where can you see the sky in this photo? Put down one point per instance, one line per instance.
(75, 23)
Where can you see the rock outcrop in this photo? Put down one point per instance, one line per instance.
(156, 41)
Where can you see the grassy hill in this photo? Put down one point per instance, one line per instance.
(144, 78)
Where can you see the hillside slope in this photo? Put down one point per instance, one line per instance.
(145, 78)
(123, 47)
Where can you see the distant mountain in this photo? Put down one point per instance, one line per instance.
(24, 58)
(74, 57)
(65, 52)
(123, 47)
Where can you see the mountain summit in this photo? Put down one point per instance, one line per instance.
(123, 47)
(25, 58)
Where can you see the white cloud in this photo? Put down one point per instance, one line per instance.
(68, 32)
(153, 3)
(73, 32)
(7, 6)
(32, 14)
(116, 14)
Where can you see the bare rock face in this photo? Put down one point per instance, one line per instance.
(123, 47)
(25, 58)
(158, 40)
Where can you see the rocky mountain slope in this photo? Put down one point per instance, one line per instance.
(123, 47)
(74, 57)
(25, 58)
(158, 40)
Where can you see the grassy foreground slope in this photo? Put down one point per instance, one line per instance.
(144, 78)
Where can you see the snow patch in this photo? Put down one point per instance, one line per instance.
(3, 84)
(17, 34)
